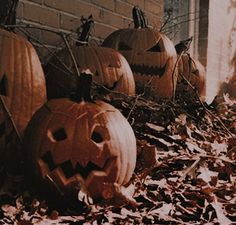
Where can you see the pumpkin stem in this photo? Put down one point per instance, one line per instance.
(83, 91)
(139, 18)
(8, 12)
(84, 30)
(143, 20)
(184, 45)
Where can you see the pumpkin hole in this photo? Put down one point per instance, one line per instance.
(155, 48)
(10, 136)
(48, 159)
(67, 169)
(2, 129)
(3, 85)
(97, 137)
(85, 171)
(58, 135)
(124, 47)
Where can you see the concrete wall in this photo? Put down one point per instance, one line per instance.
(65, 15)
(221, 45)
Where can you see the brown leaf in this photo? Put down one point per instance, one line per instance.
(24, 222)
(148, 155)
(54, 215)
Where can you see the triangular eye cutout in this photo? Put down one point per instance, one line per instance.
(155, 48)
(3, 85)
(124, 47)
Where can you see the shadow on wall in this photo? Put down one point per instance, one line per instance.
(233, 62)
(232, 37)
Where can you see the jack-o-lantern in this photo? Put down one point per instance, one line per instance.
(150, 53)
(194, 72)
(109, 67)
(22, 86)
(72, 142)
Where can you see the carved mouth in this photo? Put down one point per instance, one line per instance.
(148, 70)
(68, 169)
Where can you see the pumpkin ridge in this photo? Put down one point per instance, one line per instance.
(13, 90)
(31, 79)
(98, 59)
(76, 133)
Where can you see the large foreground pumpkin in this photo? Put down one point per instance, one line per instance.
(109, 67)
(150, 53)
(22, 84)
(70, 142)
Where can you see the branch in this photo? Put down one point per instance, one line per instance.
(71, 54)
(137, 97)
(169, 19)
(166, 21)
(45, 46)
(8, 113)
(184, 21)
(173, 74)
(30, 26)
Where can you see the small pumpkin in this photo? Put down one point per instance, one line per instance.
(22, 85)
(109, 67)
(150, 53)
(194, 72)
(71, 142)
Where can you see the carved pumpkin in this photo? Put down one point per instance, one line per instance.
(109, 67)
(194, 72)
(89, 142)
(150, 53)
(22, 85)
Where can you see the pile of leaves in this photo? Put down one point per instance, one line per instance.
(185, 172)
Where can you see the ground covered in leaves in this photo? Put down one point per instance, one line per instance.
(185, 173)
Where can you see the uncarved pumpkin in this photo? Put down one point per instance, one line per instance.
(22, 84)
(194, 72)
(151, 55)
(89, 142)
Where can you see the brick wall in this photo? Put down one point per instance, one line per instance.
(221, 43)
(65, 15)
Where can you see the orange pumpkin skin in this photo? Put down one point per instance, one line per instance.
(22, 83)
(194, 72)
(83, 142)
(151, 55)
(109, 67)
